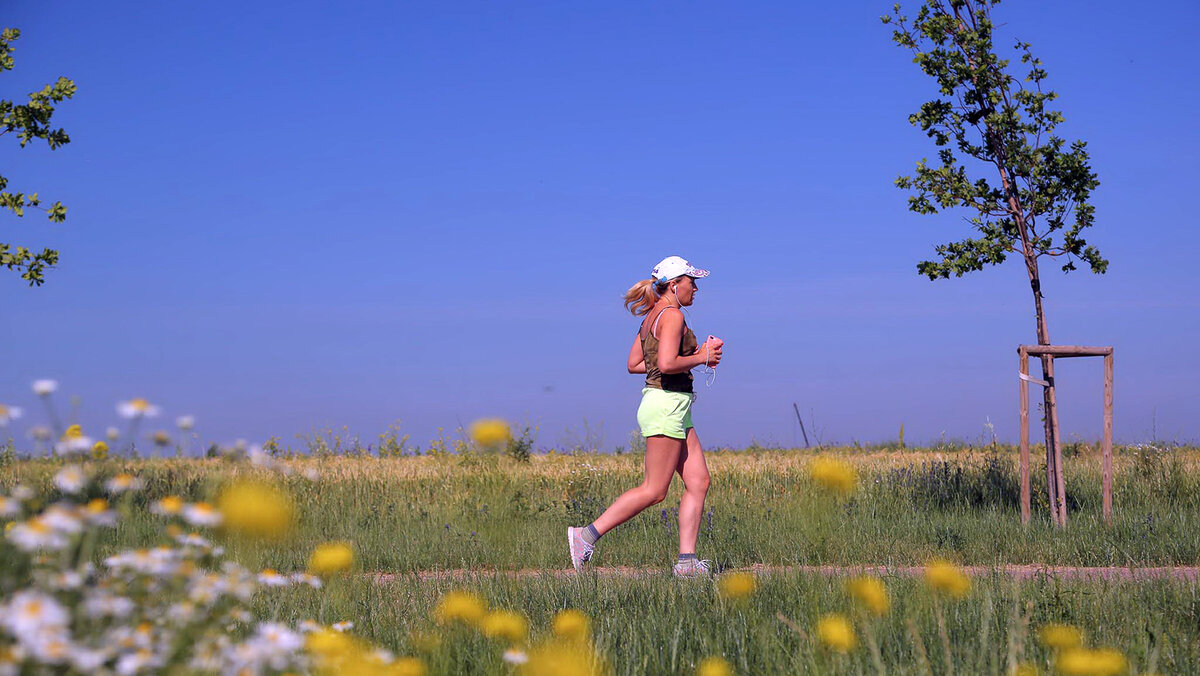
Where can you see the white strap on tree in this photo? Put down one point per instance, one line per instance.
(1030, 379)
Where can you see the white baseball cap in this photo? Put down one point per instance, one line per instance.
(674, 266)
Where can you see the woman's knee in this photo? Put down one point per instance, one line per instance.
(697, 484)
(654, 494)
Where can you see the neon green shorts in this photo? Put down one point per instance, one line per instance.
(665, 413)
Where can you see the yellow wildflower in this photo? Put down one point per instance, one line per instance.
(572, 625)
(505, 624)
(73, 432)
(330, 558)
(161, 438)
(561, 659)
(947, 578)
(170, 505)
(714, 666)
(737, 586)
(1060, 636)
(97, 505)
(1084, 662)
(836, 633)
(490, 432)
(256, 509)
(459, 606)
(408, 666)
(835, 476)
(99, 450)
(329, 646)
(870, 592)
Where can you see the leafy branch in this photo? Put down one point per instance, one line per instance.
(30, 121)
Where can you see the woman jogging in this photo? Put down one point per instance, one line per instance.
(665, 350)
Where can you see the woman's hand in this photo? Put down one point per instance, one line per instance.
(710, 351)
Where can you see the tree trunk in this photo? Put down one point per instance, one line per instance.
(1055, 489)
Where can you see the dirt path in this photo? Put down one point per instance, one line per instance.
(1019, 571)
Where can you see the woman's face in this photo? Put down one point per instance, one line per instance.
(685, 290)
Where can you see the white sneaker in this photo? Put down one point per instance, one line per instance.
(693, 568)
(581, 551)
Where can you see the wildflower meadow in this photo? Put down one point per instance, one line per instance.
(124, 555)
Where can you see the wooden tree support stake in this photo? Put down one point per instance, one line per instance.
(1053, 456)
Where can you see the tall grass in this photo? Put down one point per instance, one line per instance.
(658, 625)
(491, 511)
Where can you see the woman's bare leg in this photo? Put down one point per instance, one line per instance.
(694, 472)
(662, 457)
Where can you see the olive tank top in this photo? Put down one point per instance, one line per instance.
(671, 382)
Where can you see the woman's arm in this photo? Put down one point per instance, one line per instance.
(637, 360)
(670, 332)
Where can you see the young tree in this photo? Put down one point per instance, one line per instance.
(1034, 201)
(30, 121)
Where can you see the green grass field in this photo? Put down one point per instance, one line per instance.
(487, 513)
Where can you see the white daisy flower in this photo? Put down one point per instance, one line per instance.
(342, 626)
(132, 663)
(50, 645)
(97, 513)
(193, 540)
(22, 492)
(182, 612)
(185, 422)
(241, 615)
(136, 408)
(9, 507)
(71, 478)
(308, 626)
(44, 387)
(74, 445)
(68, 579)
(30, 613)
(35, 535)
(304, 578)
(40, 433)
(275, 644)
(63, 517)
(514, 656)
(311, 473)
(130, 638)
(121, 483)
(105, 604)
(87, 660)
(9, 413)
(270, 578)
(259, 457)
(112, 433)
(201, 514)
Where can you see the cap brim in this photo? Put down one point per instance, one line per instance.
(697, 273)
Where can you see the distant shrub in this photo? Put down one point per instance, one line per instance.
(520, 446)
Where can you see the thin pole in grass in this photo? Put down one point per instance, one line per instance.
(801, 420)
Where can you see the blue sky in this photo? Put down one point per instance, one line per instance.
(284, 217)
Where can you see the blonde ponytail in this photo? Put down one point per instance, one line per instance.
(641, 297)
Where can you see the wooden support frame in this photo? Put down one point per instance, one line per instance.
(1054, 455)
